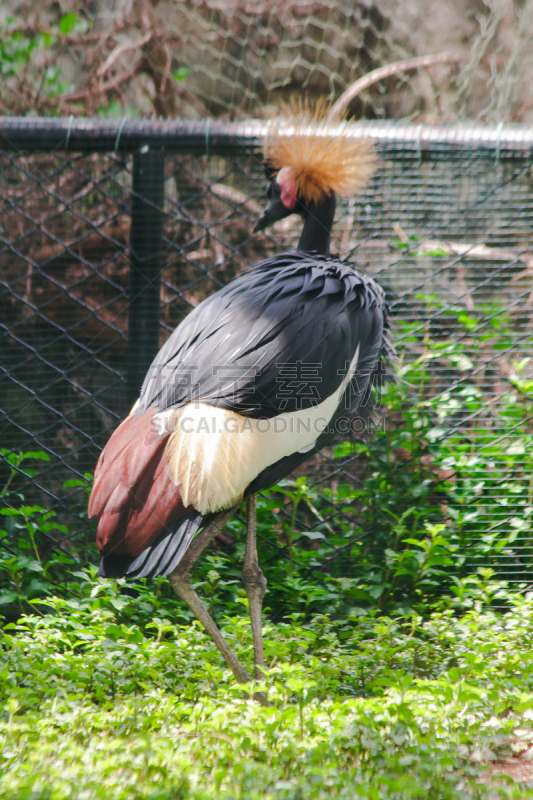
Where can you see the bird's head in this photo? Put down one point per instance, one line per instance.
(282, 194)
(309, 161)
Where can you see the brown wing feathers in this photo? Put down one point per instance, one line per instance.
(133, 495)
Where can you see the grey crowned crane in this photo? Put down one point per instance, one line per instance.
(257, 379)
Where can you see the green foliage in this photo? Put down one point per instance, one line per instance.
(13, 461)
(95, 706)
(67, 23)
(29, 570)
(441, 489)
(29, 59)
(181, 73)
(16, 49)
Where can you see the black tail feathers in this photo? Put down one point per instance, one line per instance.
(160, 558)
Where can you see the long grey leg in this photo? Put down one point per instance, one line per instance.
(180, 581)
(255, 583)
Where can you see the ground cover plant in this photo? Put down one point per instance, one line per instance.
(399, 661)
(94, 706)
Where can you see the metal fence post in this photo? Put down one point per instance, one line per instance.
(146, 261)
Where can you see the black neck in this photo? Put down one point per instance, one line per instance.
(318, 222)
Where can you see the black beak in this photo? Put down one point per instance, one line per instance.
(274, 211)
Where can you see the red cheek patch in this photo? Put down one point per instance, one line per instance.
(287, 185)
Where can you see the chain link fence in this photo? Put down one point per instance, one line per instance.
(239, 58)
(111, 232)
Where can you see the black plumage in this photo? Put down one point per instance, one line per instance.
(159, 558)
(293, 309)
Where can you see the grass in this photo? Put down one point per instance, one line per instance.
(94, 707)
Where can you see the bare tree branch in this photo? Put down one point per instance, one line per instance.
(119, 50)
(387, 72)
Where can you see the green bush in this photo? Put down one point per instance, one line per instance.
(441, 490)
(96, 707)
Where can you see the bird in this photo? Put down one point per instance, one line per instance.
(258, 378)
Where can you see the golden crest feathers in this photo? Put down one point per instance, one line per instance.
(321, 154)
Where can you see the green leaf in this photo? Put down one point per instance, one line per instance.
(181, 73)
(8, 597)
(516, 449)
(118, 603)
(67, 22)
(438, 252)
(38, 454)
